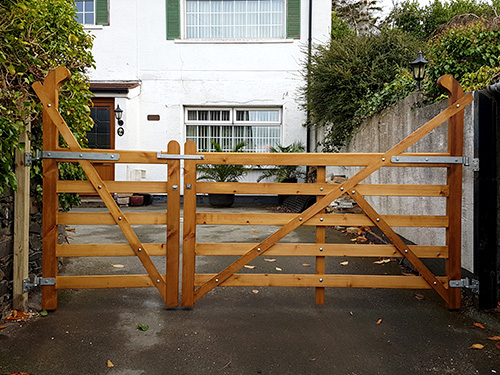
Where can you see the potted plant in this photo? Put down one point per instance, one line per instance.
(285, 173)
(222, 173)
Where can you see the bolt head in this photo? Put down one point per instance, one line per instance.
(258, 249)
(320, 189)
(383, 159)
(100, 187)
(216, 280)
(341, 189)
(458, 105)
(300, 219)
(320, 280)
(139, 249)
(354, 191)
(49, 105)
(406, 251)
(320, 219)
(158, 281)
(119, 217)
(320, 249)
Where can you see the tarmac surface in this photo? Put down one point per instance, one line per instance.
(240, 331)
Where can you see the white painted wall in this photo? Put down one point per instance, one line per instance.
(174, 74)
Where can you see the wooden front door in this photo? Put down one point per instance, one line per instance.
(103, 134)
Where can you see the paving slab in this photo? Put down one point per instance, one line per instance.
(248, 330)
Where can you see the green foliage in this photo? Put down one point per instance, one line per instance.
(345, 74)
(282, 173)
(36, 37)
(340, 28)
(469, 53)
(423, 21)
(223, 172)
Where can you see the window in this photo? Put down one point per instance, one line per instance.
(92, 12)
(234, 19)
(259, 128)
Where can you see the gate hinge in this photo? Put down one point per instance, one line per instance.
(473, 285)
(472, 162)
(29, 157)
(37, 281)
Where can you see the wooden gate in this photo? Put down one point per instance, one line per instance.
(194, 285)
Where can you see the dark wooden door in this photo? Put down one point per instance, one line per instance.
(103, 134)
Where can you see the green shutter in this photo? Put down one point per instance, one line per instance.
(101, 12)
(293, 19)
(173, 19)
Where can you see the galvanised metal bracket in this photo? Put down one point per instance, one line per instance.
(29, 158)
(37, 281)
(179, 157)
(79, 155)
(466, 161)
(473, 285)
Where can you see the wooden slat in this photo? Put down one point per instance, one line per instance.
(108, 250)
(320, 240)
(103, 218)
(214, 218)
(104, 281)
(329, 250)
(314, 189)
(85, 187)
(173, 226)
(310, 280)
(189, 228)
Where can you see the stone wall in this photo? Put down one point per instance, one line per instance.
(6, 247)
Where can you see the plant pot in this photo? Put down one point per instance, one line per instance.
(221, 200)
(281, 198)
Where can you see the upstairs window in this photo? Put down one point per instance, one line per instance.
(92, 12)
(234, 19)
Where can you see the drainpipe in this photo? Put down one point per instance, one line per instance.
(309, 50)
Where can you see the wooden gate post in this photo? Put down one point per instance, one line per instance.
(320, 240)
(173, 226)
(189, 235)
(454, 201)
(21, 223)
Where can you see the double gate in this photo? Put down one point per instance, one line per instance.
(196, 285)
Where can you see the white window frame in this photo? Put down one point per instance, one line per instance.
(185, 37)
(84, 13)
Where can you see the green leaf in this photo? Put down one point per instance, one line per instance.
(44, 313)
(142, 327)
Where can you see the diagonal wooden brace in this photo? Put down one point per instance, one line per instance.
(99, 186)
(400, 245)
(302, 218)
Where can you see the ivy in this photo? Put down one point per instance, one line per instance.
(37, 36)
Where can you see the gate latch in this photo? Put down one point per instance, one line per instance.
(37, 281)
(473, 285)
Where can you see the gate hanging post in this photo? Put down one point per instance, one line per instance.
(320, 240)
(52, 84)
(454, 181)
(173, 225)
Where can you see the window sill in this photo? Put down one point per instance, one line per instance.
(93, 27)
(233, 41)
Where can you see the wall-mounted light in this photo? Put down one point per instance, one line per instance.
(118, 115)
(418, 68)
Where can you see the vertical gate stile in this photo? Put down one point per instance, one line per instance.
(454, 201)
(173, 226)
(189, 227)
(320, 240)
(50, 230)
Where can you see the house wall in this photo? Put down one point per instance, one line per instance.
(381, 133)
(176, 73)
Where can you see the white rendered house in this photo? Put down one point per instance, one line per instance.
(197, 70)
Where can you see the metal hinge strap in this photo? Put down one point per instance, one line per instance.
(473, 285)
(37, 281)
(79, 155)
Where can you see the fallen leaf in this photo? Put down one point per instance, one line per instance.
(278, 269)
(110, 364)
(118, 265)
(44, 313)
(313, 359)
(494, 338)
(382, 261)
(256, 231)
(345, 263)
(361, 239)
(270, 260)
(249, 266)
(408, 274)
(350, 312)
(477, 346)
(142, 327)
(419, 296)
(379, 321)
(18, 315)
(479, 325)
(255, 291)
(497, 345)
(2, 327)
(306, 265)
(353, 240)
(360, 230)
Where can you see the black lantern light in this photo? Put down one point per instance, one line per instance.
(418, 68)
(118, 115)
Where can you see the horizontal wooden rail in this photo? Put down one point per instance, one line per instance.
(320, 189)
(336, 250)
(85, 187)
(107, 250)
(104, 281)
(307, 159)
(427, 221)
(311, 280)
(102, 218)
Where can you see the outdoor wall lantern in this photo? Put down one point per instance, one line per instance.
(118, 115)
(418, 67)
